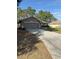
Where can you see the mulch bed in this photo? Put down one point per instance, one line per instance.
(25, 41)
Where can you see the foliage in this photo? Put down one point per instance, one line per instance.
(27, 12)
(58, 30)
(45, 16)
(30, 11)
(20, 12)
(41, 15)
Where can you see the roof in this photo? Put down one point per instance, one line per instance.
(56, 22)
(33, 18)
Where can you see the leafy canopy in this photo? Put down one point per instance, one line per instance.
(41, 15)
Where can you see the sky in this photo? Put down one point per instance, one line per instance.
(54, 6)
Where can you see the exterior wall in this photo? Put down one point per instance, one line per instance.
(55, 26)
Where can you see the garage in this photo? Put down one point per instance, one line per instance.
(31, 23)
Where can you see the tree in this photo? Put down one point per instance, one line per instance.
(30, 11)
(45, 16)
(20, 14)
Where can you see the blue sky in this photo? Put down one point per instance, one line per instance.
(54, 6)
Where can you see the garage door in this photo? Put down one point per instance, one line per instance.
(32, 25)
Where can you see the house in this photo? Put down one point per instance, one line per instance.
(32, 23)
(55, 24)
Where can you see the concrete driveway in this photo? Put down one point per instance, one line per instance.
(51, 40)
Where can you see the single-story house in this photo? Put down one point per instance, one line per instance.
(32, 23)
(55, 24)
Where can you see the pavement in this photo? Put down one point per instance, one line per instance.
(52, 41)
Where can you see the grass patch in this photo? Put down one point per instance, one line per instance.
(58, 30)
(48, 28)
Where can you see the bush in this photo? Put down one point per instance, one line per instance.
(48, 28)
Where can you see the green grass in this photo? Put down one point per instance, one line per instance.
(48, 28)
(58, 30)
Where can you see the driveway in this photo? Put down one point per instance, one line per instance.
(51, 40)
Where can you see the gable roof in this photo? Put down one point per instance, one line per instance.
(33, 18)
(30, 18)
